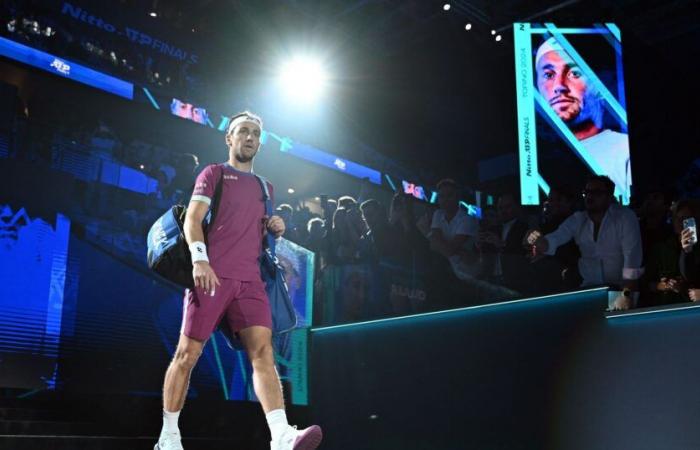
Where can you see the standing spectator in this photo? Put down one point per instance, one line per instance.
(453, 231)
(690, 258)
(608, 237)
(665, 283)
(378, 242)
(345, 236)
(185, 171)
(286, 212)
(653, 219)
(507, 242)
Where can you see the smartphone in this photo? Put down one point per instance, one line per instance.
(690, 223)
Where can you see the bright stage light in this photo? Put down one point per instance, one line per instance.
(468, 27)
(493, 32)
(446, 7)
(291, 190)
(498, 38)
(303, 79)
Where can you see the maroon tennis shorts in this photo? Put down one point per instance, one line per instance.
(242, 304)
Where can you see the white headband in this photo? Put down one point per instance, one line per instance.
(550, 45)
(239, 120)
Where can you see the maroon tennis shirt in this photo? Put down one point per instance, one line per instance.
(234, 240)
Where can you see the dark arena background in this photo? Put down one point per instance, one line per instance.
(414, 146)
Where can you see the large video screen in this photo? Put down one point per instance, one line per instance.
(572, 117)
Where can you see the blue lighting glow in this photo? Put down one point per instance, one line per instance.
(487, 307)
(65, 68)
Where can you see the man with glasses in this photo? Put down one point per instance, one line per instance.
(608, 237)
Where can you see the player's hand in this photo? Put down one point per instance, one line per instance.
(205, 277)
(275, 225)
(687, 238)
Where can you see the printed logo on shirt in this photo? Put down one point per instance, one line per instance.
(230, 177)
(201, 185)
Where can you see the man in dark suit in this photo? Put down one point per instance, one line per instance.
(510, 263)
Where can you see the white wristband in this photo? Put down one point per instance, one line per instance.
(198, 250)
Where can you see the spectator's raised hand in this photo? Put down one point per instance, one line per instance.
(694, 294)
(688, 239)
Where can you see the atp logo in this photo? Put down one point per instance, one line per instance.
(60, 66)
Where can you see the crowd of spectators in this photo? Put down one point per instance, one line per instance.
(387, 255)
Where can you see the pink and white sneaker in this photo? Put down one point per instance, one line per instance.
(293, 439)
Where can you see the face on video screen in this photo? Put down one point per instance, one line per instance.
(188, 111)
(566, 89)
(572, 119)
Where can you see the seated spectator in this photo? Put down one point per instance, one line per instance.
(608, 238)
(690, 258)
(506, 243)
(453, 231)
(665, 283)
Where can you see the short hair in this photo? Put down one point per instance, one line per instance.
(369, 203)
(245, 113)
(312, 221)
(345, 201)
(447, 182)
(609, 185)
(286, 207)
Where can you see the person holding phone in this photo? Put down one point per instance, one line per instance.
(690, 258)
(665, 283)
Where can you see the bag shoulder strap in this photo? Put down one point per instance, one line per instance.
(215, 201)
(268, 211)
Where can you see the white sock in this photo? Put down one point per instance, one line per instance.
(170, 422)
(277, 421)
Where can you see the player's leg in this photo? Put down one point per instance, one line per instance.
(249, 314)
(201, 314)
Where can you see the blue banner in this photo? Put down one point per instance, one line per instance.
(65, 68)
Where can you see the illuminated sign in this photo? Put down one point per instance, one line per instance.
(414, 190)
(65, 68)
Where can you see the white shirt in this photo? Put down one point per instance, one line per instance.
(611, 151)
(614, 257)
(461, 224)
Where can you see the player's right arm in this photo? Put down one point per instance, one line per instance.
(202, 272)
